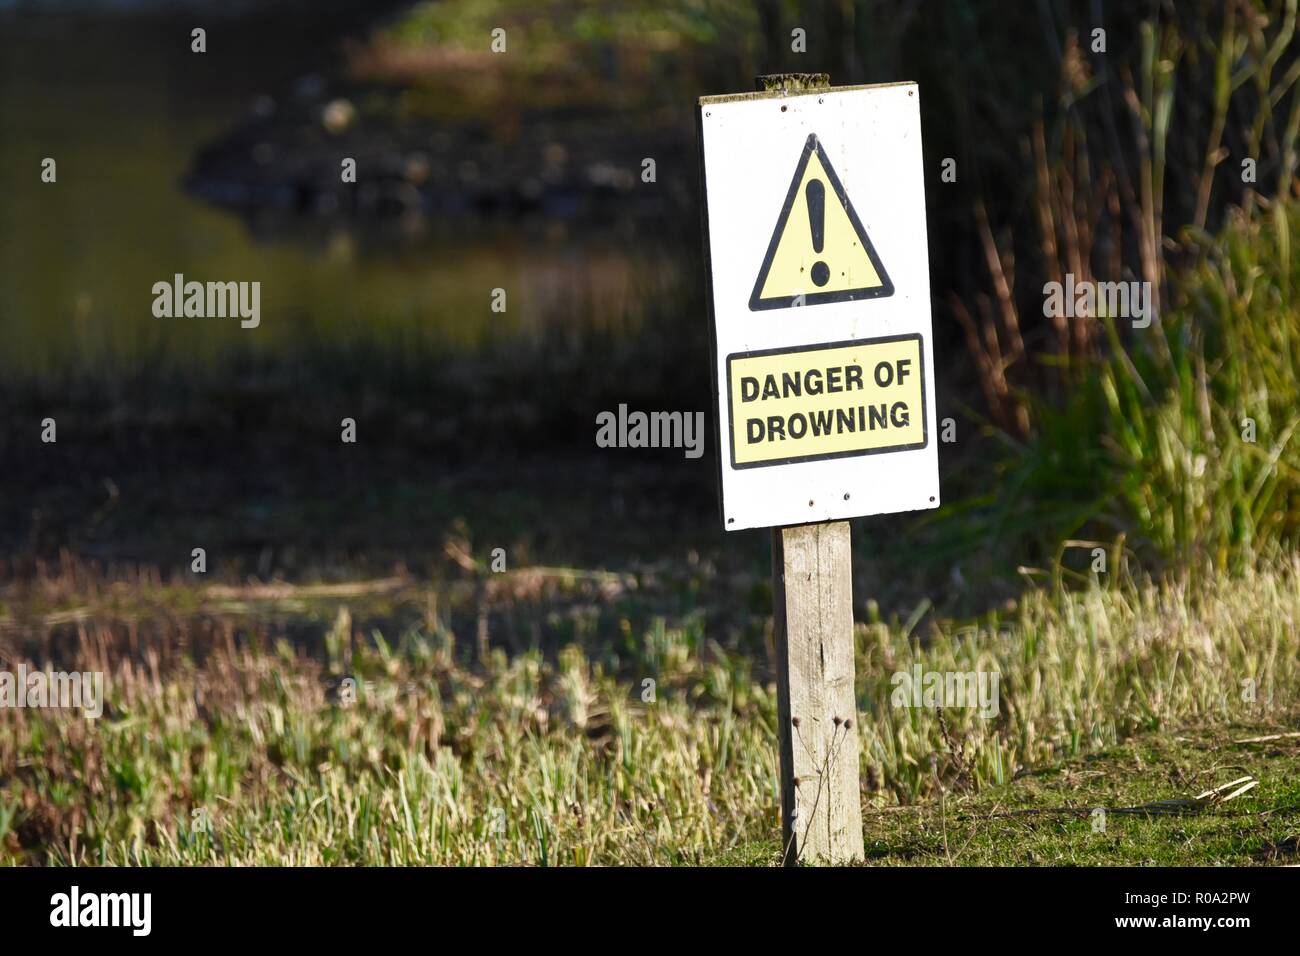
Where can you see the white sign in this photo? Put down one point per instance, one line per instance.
(820, 296)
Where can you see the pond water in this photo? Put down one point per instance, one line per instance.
(118, 100)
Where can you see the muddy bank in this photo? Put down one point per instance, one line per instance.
(329, 152)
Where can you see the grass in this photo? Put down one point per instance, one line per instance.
(1145, 790)
(1135, 440)
(456, 752)
(1175, 451)
(1128, 805)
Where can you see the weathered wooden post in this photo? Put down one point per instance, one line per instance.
(823, 387)
(812, 610)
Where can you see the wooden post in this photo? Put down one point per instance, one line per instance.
(812, 594)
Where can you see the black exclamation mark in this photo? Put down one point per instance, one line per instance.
(815, 194)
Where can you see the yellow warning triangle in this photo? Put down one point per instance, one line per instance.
(819, 249)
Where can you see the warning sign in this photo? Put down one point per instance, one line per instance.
(818, 402)
(819, 250)
(819, 293)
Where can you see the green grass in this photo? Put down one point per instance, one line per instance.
(1176, 451)
(456, 755)
(1123, 806)
(1128, 805)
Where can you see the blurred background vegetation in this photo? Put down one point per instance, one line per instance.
(522, 171)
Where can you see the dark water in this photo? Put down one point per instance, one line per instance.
(117, 98)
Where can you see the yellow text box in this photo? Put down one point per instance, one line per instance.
(826, 401)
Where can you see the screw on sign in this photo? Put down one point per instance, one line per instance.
(823, 385)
